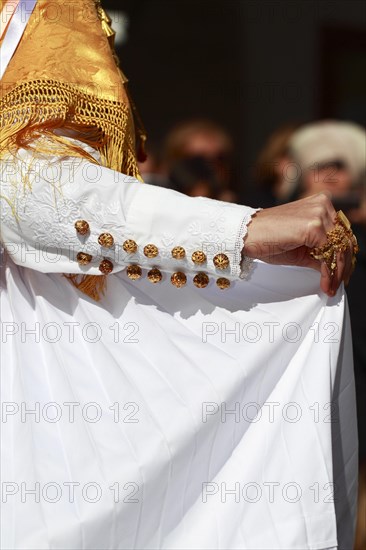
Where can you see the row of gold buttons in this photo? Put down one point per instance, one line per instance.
(220, 261)
(105, 239)
(178, 279)
(105, 265)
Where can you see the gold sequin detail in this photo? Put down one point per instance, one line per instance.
(106, 240)
(134, 272)
(223, 283)
(130, 246)
(83, 258)
(154, 275)
(178, 279)
(150, 251)
(82, 227)
(178, 252)
(106, 266)
(201, 280)
(221, 261)
(198, 257)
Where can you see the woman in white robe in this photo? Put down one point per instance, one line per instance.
(200, 405)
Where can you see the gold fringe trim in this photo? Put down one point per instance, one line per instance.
(39, 106)
(36, 108)
(92, 285)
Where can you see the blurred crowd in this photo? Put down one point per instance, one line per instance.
(196, 159)
(297, 160)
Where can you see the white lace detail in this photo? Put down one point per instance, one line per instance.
(246, 264)
(51, 218)
(47, 209)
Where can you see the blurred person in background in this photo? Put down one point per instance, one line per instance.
(152, 169)
(195, 177)
(332, 156)
(274, 173)
(206, 140)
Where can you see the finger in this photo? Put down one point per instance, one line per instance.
(331, 214)
(339, 272)
(324, 220)
(325, 279)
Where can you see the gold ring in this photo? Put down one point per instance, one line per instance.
(338, 240)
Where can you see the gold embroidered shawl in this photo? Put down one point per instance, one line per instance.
(64, 75)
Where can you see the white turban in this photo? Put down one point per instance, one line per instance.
(327, 141)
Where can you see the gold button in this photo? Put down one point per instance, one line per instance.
(106, 266)
(223, 283)
(82, 227)
(150, 251)
(198, 257)
(134, 272)
(130, 246)
(200, 280)
(83, 258)
(106, 240)
(154, 275)
(221, 261)
(178, 252)
(178, 279)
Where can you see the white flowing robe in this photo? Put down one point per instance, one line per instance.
(165, 418)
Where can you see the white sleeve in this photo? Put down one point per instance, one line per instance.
(127, 222)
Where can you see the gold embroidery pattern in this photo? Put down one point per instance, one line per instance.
(154, 275)
(82, 227)
(106, 240)
(221, 261)
(151, 251)
(130, 246)
(83, 258)
(223, 283)
(201, 280)
(178, 252)
(134, 272)
(106, 266)
(178, 279)
(198, 257)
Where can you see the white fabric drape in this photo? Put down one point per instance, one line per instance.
(170, 418)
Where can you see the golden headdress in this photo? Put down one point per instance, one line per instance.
(64, 75)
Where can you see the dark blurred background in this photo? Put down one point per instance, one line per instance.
(250, 65)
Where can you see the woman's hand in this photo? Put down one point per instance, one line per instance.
(286, 234)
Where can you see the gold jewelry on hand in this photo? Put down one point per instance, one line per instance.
(338, 240)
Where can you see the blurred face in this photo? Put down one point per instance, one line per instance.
(205, 144)
(214, 148)
(286, 173)
(334, 177)
(201, 189)
(149, 166)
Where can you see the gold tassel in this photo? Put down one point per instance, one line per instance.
(92, 285)
(106, 23)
